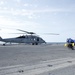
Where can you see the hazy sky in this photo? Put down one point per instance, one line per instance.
(39, 16)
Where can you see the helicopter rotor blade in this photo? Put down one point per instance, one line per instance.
(26, 31)
(48, 33)
(35, 33)
(22, 30)
(51, 34)
(17, 33)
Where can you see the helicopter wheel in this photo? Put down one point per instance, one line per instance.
(32, 43)
(35, 43)
(3, 44)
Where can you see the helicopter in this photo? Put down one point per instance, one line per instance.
(30, 38)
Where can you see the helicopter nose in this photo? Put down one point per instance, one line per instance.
(44, 41)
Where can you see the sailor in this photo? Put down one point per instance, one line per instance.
(70, 43)
(69, 40)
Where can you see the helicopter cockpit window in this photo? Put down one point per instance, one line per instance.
(21, 37)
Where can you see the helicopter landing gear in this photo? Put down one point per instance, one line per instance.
(32, 43)
(4, 44)
(35, 43)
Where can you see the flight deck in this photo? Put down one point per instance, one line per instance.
(50, 59)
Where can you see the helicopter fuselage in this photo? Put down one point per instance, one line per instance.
(28, 39)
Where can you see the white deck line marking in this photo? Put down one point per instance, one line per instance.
(39, 68)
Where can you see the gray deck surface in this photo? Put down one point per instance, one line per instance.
(36, 60)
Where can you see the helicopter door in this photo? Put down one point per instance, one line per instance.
(37, 39)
